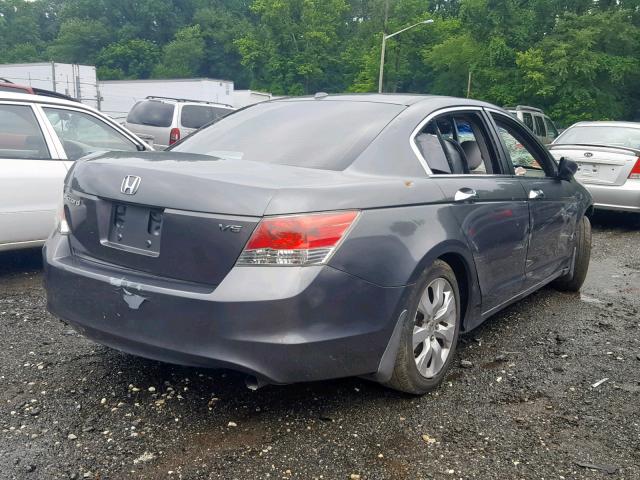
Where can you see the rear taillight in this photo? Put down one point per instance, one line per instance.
(297, 239)
(635, 171)
(174, 136)
(61, 220)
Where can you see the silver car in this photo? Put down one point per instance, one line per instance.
(608, 158)
(162, 121)
(40, 138)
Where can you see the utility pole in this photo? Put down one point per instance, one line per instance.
(385, 37)
(469, 85)
(384, 44)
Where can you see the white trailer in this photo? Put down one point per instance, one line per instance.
(77, 81)
(119, 96)
(242, 98)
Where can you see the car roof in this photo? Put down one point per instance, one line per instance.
(406, 99)
(27, 97)
(607, 123)
(184, 101)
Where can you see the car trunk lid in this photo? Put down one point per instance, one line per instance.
(603, 165)
(188, 220)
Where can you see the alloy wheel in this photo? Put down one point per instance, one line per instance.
(434, 328)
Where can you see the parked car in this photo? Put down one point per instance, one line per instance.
(608, 158)
(539, 123)
(163, 121)
(40, 137)
(312, 238)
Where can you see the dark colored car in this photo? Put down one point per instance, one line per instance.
(313, 238)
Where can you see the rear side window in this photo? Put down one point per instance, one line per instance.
(528, 120)
(151, 113)
(457, 143)
(540, 130)
(323, 134)
(20, 134)
(195, 116)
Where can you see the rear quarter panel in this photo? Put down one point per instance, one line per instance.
(392, 246)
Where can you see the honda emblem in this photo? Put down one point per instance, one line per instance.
(130, 185)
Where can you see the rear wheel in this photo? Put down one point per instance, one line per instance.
(571, 282)
(430, 333)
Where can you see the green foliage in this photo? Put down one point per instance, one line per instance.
(183, 56)
(577, 59)
(127, 59)
(79, 41)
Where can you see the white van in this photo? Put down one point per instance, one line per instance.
(162, 121)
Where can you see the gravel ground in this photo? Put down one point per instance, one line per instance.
(526, 406)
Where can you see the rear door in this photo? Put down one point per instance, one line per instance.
(490, 206)
(30, 179)
(153, 119)
(553, 204)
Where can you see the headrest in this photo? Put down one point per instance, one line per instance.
(473, 154)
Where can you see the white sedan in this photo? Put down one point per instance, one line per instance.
(40, 137)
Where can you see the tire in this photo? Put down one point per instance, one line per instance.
(571, 282)
(444, 328)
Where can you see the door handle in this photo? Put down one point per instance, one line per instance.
(465, 194)
(536, 194)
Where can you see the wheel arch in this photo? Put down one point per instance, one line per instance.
(460, 259)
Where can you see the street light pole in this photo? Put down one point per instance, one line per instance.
(384, 47)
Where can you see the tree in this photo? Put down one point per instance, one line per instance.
(183, 56)
(79, 41)
(293, 47)
(127, 59)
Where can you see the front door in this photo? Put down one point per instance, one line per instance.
(553, 204)
(489, 206)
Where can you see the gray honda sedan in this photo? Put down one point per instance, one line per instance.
(313, 238)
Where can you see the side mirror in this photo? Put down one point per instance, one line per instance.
(566, 169)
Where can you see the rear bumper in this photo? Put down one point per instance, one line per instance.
(624, 197)
(282, 324)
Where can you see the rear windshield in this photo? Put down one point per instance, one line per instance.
(601, 135)
(195, 116)
(152, 113)
(308, 133)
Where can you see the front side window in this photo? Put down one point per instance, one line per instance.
(82, 134)
(20, 134)
(196, 116)
(522, 152)
(456, 144)
(528, 120)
